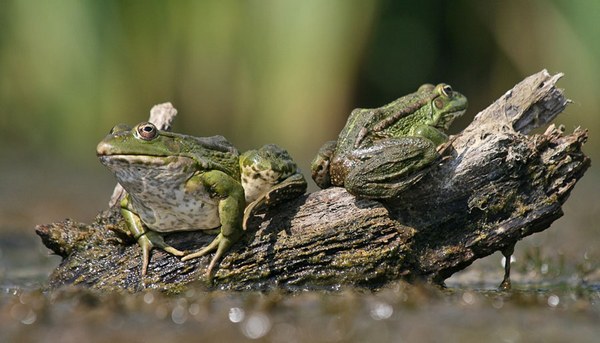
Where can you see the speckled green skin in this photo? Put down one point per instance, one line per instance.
(176, 182)
(382, 151)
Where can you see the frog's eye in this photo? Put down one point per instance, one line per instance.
(447, 90)
(147, 131)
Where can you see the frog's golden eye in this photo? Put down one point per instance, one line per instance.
(147, 131)
(447, 90)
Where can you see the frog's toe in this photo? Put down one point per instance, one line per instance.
(173, 251)
(146, 246)
(221, 244)
(205, 251)
(156, 240)
(150, 240)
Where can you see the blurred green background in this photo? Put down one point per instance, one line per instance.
(269, 71)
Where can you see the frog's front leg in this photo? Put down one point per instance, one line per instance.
(436, 136)
(390, 166)
(145, 238)
(231, 210)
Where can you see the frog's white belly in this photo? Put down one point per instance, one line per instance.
(158, 193)
(177, 210)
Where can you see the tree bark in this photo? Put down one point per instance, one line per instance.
(493, 186)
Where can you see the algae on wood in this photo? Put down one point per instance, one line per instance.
(494, 186)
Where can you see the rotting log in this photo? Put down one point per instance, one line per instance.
(494, 186)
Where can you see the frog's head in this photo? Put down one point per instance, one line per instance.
(143, 140)
(145, 154)
(144, 157)
(445, 105)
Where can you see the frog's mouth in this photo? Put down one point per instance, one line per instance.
(133, 159)
(143, 160)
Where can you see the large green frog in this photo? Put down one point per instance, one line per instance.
(176, 182)
(382, 151)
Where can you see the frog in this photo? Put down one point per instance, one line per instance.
(381, 152)
(176, 182)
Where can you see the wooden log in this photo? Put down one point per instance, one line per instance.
(494, 186)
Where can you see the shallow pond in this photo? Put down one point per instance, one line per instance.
(468, 310)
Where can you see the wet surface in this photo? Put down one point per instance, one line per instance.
(557, 307)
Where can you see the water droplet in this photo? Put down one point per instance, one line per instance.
(194, 309)
(498, 303)
(553, 300)
(23, 313)
(148, 298)
(256, 326)
(381, 311)
(468, 298)
(179, 314)
(236, 314)
(29, 318)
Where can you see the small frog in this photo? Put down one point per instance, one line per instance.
(176, 182)
(382, 151)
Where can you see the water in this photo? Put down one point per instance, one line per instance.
(556, 309)
(24, 262)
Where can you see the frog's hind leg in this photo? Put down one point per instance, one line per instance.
(231, 208)
(152, 239)
(399, 164)
(146, 239)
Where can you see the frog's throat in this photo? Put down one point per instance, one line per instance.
(448, 119)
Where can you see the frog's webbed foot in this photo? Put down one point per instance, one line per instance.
(149, 240)
(399, 164)
(221, 244)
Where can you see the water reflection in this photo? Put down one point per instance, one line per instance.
(256, 326)
(23, 314)
(236, 314)
(381, 310)
(412, 312)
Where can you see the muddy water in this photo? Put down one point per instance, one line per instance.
(558, 308)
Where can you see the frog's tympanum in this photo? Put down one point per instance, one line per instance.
(382, 151)
(176, 182)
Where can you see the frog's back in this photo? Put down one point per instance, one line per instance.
(216, 143)
(215, 152)
(365, 125)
